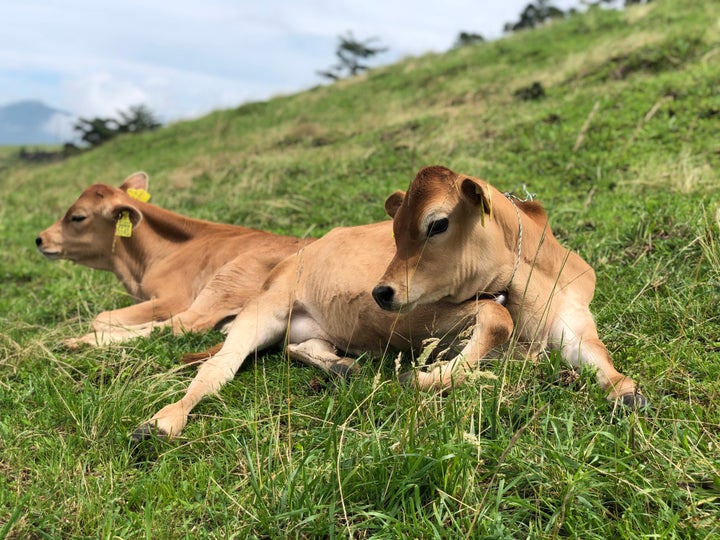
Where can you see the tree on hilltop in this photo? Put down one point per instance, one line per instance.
(467, 38)
(97, 131)
(138, 118)
(351, 53)
(535, 14)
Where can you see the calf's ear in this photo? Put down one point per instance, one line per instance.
(393, 202)
(476, 192)
(138, 180)
(117, 211)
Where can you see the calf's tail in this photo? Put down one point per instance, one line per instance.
(200, 357)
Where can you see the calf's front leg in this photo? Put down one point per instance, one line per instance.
(119, 325)
(261, 324)
(493, 326)
(577, 339)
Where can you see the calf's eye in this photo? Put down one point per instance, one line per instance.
(438, 226)
(78, 219)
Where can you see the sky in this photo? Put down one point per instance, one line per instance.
(184, 58)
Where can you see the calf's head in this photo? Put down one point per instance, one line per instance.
(85, 233)
(449, 246)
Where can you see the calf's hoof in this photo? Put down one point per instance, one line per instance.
(73, 344)
(634, 400)
(147, 431)
(409, 378)
(344, 368)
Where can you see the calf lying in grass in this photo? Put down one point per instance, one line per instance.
(458, 242)
(320, 301)
(457, 236)
(187, 273)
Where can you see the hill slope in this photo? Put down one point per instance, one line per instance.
(623, 150)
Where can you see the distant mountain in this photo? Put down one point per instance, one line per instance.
(33, 122)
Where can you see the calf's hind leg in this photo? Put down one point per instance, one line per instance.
(322, 354)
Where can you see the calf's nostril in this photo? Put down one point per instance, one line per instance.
(38, 241)
(383, 295)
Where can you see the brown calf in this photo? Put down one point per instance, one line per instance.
(186, 273)
(320, 301)
(457, 236)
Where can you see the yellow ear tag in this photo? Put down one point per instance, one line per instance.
(123, 227)
(139, 194)
(488, 196)
(490, 204)
(479, 191)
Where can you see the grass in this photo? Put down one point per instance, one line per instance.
(623, 151)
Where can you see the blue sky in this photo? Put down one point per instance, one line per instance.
(184, 58)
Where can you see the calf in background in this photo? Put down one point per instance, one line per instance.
(185, 273)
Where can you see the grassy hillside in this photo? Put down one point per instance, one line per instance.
(623, 149)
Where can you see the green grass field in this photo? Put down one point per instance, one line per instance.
(624, 151)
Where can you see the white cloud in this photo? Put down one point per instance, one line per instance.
(101, 94)
(60, 127)
(183, 58)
